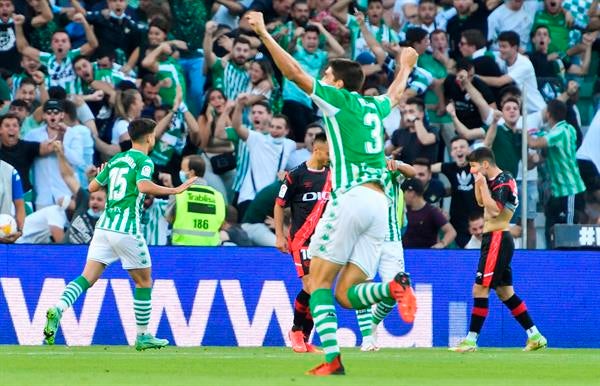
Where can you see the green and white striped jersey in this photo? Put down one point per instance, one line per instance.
(231, 78)
(124, 200)
(61, 74)
(358, 44)
(107, 75)
(170, 69)
(354, 128)
(396, 207)
(242, 156)
(565, 178)
(155, 227)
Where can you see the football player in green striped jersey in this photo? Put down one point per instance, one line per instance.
(351, 232)
(127, 178)
(392, 255)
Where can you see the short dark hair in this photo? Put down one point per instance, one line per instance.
(8, 116)
(298, 2)
(312, 28)
(482, 154)
(349, 72)
(197, 164)
(458, 138)
(511, 99)
(476, 215)
(79, 58)
(151, 79)
(241, 40)
(321, 137)
(429, 1)
(474, 37)
(415, 34)
(315, 124)
(537, 27)
(264, 104)
(57, 92)
(161, 23)
(423, 162)
(435, 31)
(61, 31)
(374, 1)
(28, 81)
(511, 37)
(70, 109)
(510, 89)
(464, 64)
(416, 101)
(19, 103)
(140, 127)
(285, 119)
(413, 184)
(557, 110)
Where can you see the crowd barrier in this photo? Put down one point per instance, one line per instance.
(231, 296)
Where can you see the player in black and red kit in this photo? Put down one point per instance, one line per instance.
(496, 192)
(306, 191)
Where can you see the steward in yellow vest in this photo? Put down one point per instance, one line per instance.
(199, 212)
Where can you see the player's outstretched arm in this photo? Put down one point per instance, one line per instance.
(149, 187)
(407, 61)
(288, 66)
(407, 170)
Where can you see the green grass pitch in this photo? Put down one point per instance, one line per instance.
(215, 366)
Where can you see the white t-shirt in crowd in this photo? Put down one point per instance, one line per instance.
(36, 229)
(590, 147)
(473, 243)
(391, 123)
(268, 155)
(523, 74)
(118, 129)
(48, 183)
(505, 19)
(534, 122)
(297, 157)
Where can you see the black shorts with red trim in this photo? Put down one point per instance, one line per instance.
(494, 263)
(301, 260)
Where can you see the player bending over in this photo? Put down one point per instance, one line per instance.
(496, 192)
(305, 190)
(118, 235)
(350, 234)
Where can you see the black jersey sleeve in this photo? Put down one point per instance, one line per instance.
(287, 190)
(504, 192)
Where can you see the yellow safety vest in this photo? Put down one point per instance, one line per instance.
(199, 214)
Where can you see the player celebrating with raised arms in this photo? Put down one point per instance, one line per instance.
(351, 232)
(496, 192)
(128, 177)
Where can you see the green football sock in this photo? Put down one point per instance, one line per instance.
(383, 309)
(142, 306)
(72, 291)
(364, 295)
(322, 308)
(365, 321)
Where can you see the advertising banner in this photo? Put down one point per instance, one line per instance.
(229, 296)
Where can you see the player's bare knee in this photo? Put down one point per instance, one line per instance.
(480, 291)
(342, 298)
(505, 293)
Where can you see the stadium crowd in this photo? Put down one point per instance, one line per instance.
(75, 73)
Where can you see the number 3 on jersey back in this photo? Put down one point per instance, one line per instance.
(376, 146)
